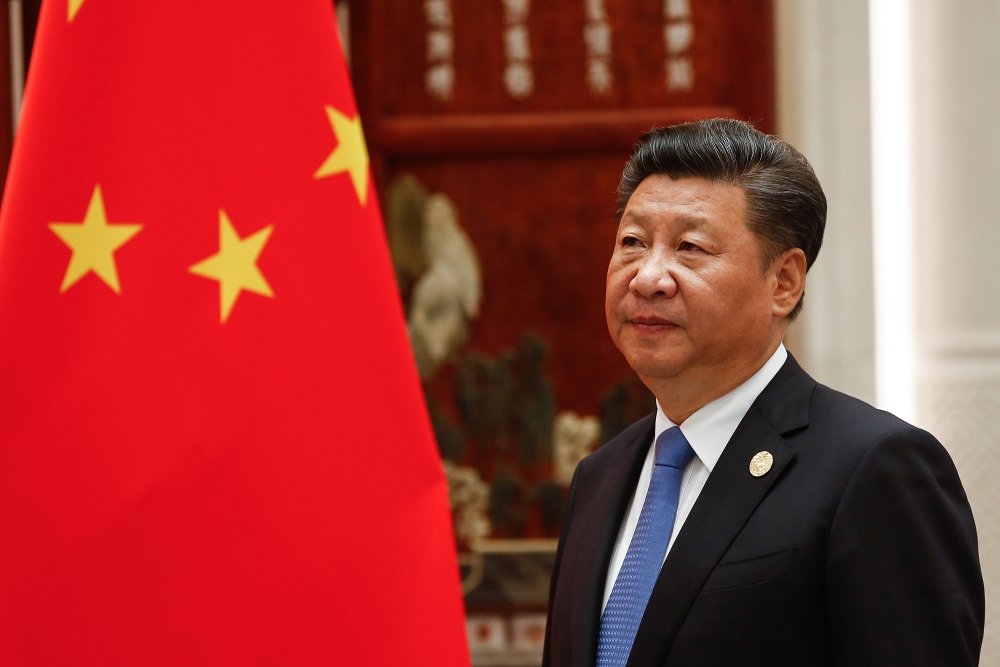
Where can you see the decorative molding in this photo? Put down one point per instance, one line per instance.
(979, 344)
(439, 78)
(541, 132)
(597, 35)
(678, 34)
(519, 76)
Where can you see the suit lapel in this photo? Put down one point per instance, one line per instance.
(603, 523)
(730, 496)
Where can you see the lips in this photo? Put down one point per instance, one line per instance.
(652, 323)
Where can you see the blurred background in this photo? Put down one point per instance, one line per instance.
(497, 131)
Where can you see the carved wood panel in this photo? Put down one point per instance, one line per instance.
(515, 119)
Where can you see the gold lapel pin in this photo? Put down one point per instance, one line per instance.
(761, 463)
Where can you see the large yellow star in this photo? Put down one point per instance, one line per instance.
(93, 243)
(350, 155)
(235, 265)
(73, 6)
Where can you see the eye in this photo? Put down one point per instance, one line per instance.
(629, 241)
(687, 246)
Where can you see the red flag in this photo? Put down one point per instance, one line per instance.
(214, 450)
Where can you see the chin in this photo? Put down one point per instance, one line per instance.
(649, 366)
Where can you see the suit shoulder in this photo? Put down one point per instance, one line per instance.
(854, 411)
(855, 426)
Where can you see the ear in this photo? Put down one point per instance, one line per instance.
(789, 271)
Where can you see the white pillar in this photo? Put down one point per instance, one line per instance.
(956, 167)
(823, 110)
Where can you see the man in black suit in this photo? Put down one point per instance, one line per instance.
(799, 526)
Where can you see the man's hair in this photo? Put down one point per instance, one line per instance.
(786, 207)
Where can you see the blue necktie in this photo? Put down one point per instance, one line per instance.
(644, 557)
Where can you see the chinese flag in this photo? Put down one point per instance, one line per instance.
(214, 449)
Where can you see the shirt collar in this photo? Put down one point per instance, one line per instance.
(709, 429)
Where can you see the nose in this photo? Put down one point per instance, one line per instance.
(654, 277)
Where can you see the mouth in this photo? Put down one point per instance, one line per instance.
(651, 324)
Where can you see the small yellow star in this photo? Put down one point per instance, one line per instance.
(235, 265)
(350, 155)
(73, 7)
(93, 243)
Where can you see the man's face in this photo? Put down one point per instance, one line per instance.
(687, 300)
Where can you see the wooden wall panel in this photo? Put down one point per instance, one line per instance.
(531, 165)
(720, 33)
(543, 166)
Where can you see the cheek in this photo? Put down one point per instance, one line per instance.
(610, 303)
(616, 283)
(611, 283)
(745, 302)
(615, 291)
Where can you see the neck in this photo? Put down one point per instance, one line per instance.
(683, 395)
(680, 403)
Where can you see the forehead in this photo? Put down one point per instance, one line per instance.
(691, 200)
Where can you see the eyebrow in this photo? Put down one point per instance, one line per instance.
(686, 221)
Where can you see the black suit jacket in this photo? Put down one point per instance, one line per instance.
(857, 548)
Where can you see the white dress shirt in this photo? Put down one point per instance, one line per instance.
(707, 431)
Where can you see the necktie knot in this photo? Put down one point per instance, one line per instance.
(673, 449)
